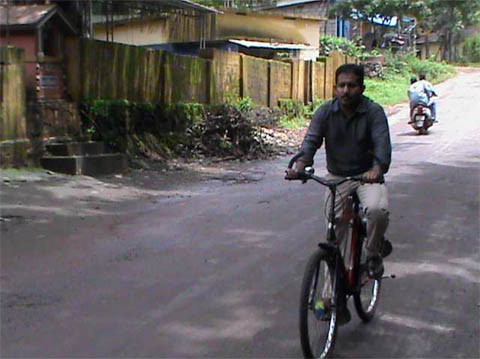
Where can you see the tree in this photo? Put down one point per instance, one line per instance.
(446, 17)
(449, 18)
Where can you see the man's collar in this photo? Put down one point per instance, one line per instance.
(361, 108)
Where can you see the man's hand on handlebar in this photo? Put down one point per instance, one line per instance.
(374, 175)
(295, 172)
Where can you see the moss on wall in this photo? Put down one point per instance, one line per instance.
(116, 71)
(281, 81)
(255, 79)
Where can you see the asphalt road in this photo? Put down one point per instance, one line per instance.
(214, 270)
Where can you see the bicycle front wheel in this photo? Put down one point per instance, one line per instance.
(318, 317)
(367, 296)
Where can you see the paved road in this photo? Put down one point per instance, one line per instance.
(214, 271)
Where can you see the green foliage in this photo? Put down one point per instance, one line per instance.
(367, 9)
(244, 104)
(387, 92)
(399, 69)
(117, 122)
(471, 50)
(345, 46)
(187, 129)
(295, 114)
(291, 108)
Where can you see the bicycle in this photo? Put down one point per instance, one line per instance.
(329, 281)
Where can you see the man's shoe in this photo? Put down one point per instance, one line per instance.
(343, 315)
(375, 267)
(386, 248)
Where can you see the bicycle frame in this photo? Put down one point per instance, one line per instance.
(346, 281)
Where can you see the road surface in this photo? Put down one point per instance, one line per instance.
(214, 270)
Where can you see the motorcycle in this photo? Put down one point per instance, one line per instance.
(421, 119)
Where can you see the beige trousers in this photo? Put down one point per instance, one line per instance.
(374, 199)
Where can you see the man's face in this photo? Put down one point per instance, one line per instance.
(349, 90)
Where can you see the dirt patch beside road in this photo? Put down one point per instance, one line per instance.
(155, 178)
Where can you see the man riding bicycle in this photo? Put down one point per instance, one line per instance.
(357, 142)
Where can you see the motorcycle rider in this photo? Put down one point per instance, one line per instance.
(421, 93)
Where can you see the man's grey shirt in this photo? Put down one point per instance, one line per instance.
(353, 145)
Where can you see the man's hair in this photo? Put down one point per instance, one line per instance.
(413, 79)
(351, 69)
(422, 76)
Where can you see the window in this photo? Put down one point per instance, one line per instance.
(49, 40)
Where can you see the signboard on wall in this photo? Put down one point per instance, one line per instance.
(49, 81)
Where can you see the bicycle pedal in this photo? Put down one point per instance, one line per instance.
(391, 276)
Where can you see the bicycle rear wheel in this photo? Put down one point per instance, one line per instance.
(367, 297)
(318, 318)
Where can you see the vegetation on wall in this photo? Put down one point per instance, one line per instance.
(471, 50)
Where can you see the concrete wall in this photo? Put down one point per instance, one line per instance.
(13, 127)
(13, 122)
(185, 79)
(255, 79)
(98, 69)
(226, 72)
(280, 82)
(28, 41)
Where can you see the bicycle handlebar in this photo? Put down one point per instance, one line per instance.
(307, 175)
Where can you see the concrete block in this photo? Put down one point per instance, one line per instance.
(75, 148)
(95, 165)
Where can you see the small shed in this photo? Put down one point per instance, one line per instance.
(41, 31)
(264, 48)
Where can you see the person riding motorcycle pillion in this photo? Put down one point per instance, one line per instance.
(421, 93)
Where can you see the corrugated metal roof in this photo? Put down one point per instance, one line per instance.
(165, 5)
(287, 3)
(271, 45)
(27, 15)
(192, 5)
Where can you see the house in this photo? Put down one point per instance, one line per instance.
(168, 22)
(311, 9)
(40, 30)
(198, 27)
(431, 44)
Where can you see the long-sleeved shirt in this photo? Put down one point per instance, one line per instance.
(421, 92)
(353, 145)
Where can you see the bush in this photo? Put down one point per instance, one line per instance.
(186, 129)
(345, 46)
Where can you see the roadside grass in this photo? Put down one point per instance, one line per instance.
(294, 123)
(390, 91)
(394, 89)
(11, 173)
